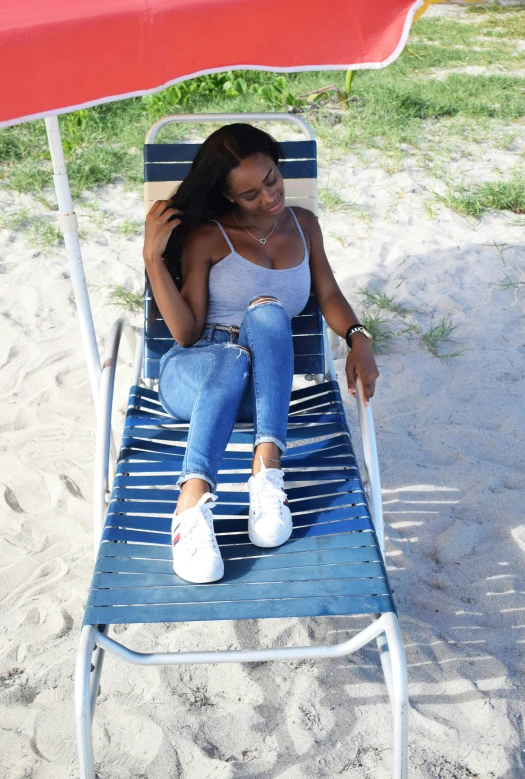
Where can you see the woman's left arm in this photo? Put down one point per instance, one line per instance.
(338, 312)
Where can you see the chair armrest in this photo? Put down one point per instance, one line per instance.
(368, 439)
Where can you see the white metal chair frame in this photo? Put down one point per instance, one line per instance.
(94, 642)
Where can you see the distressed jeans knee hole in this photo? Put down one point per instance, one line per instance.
(262, 300)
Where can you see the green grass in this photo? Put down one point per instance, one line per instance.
(514, 278)
(380, 328)
(122, 297)
(39, 230)
(341, 240)
(388, 318)
(438, 334)
(130, 227)
(384, 302)
(501, 21)
(517, 281)
(475, 199)
(331, 200)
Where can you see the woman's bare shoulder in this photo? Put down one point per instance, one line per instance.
(308, 222)
(306, 218)
(204, 240)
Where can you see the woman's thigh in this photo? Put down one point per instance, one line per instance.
(184, 373)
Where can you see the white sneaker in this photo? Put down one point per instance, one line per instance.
(196, 554)
(270, 519)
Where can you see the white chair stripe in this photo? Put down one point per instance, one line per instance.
(299, 192)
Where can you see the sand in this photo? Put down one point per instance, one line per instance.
(450, 436)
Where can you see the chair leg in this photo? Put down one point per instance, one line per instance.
(96, 671)
(399, 685)
(386, 664)
(83, 711)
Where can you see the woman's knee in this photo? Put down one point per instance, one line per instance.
(266, 311)
(263, 300)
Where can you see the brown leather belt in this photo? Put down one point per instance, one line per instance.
(227, 328)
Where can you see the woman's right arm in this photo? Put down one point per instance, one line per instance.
(184, 312)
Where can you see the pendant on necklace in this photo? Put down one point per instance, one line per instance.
(262, 240)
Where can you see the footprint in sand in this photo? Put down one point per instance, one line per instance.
(33, 495)
(71, 377)
(43, 578)
(55, 746)
(133, 746)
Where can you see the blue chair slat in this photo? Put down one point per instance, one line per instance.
(118, 580)
(206, 612)
(350, 486)
(185, 152)
(177, 171)
(231, 503)
(358, 561)
(234, 591)
(238, 551)
(160, 572)
(170, 477)
(154, 440)
(141, 420)
(312, 393)
(335, 446)
(235, 520)
(346, 465)
(238, 536)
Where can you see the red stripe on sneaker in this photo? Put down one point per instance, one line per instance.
(176, 539)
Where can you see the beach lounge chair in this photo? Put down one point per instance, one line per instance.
(333, 563)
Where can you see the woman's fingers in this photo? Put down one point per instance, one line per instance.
(162, 211)
(158, 205)
(369, 384)
(167, 207)
(161, 220)
(350, 376)
(365, 368)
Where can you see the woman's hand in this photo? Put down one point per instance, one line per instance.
(360, 362)
(159, 226)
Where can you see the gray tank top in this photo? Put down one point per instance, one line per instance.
(235, 281)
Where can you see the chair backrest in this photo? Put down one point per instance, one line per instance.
(165, 166)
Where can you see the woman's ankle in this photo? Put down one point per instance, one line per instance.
(191, 492)
(270, 455)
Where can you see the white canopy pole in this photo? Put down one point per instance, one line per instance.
(69, 227)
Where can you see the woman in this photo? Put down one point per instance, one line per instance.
(229, 266)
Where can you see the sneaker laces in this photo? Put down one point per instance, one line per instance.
(196, 528)
(269, 482)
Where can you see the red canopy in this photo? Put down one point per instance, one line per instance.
(61, 55)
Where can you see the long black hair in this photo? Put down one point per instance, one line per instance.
(201, 197)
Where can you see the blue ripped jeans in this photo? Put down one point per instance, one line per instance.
(225, 378)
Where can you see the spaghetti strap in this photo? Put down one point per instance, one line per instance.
(299, 229)
(223, 231)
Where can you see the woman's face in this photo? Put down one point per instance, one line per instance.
(257, 186)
